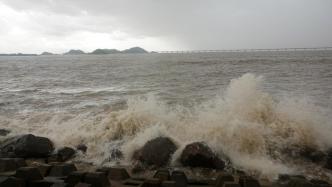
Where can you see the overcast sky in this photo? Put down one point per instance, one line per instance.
(34, 26)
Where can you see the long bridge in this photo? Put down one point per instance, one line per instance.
(250, 50)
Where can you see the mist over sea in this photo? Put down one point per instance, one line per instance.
(242, 104)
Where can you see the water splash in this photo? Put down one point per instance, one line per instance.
(244, 122)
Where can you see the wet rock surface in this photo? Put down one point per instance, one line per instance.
(26, 146)
(156, 152)
(43, 171)
(198, 154)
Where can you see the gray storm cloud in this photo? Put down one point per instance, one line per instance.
(164, 25)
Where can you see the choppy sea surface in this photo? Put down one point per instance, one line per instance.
(248, 106)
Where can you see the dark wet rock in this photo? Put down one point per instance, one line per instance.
(82, 184)
(151, 182)
(60, 170)
(231, 184)
(180, 178)
(247, 181)
(66, 153)
(47, 182)
(156, 152)
(61, 155)
(328, 163)
(11, 182)
(28, 173)
(53, 158)
(82, 147)
(199, 154)
(4, 132)
(313, 155)
(222, 178)
(96, 179)
(43, 168)
(118, 174)
(114, 173)
(26, 146)
(162, 174)
(167, 183)
(132, 182)
(298, 182)
(11, 164)
(318, 182)
(75, 178)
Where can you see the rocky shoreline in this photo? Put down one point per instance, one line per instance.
(29, 160)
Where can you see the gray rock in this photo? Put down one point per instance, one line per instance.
(198, 154)
(156, 152)
(26, 146)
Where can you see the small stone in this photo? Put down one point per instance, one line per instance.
(180, 178)
(151, 182)
(28, 173)
(62, 170)
(162, 174)
(97, 179)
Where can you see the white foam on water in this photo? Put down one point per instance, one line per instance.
(244, 122)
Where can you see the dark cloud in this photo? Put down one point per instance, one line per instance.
(191, 24)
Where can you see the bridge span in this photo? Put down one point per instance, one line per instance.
(250, 50)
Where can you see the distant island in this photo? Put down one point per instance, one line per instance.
(47, 53)
(105, 51)
(75, 52)
(18, 54)
(133, 50)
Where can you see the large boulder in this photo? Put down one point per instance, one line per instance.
(156, 152)
(26, 146)
(198, 154)
(63, 154)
